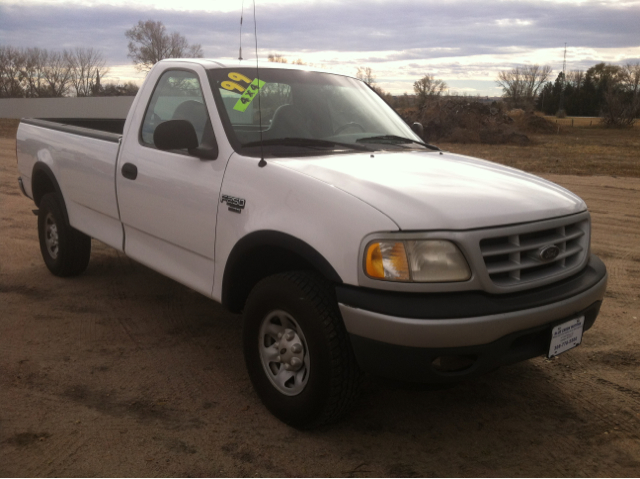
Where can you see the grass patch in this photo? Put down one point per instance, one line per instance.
(584, 150)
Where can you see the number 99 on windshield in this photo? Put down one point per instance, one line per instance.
(248, 93)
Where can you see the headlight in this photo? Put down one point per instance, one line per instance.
(423, 261)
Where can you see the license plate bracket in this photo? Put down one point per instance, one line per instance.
(566, 336)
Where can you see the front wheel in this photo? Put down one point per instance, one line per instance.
(297, 351)
(65, 250)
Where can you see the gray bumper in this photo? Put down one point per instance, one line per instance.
(450, 333)
(438, 338)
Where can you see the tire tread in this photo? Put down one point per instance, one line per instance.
(346, 376)
(74, 246)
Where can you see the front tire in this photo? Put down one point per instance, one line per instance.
(65, 250)
(297, 350)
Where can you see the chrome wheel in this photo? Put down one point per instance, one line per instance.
(51, 236)
(284, 353)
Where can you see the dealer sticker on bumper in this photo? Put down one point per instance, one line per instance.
(566, 336)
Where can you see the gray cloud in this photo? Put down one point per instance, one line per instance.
(411, 30)
(103, 27)
(471, 27)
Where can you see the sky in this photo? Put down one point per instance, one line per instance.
(464, 43)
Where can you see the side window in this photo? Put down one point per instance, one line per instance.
(177, 96)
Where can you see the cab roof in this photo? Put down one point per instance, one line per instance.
(213, 63)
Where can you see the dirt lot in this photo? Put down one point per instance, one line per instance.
(575, 151)
(122, 372)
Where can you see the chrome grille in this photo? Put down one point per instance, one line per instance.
(515, 258)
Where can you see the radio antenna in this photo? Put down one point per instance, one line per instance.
(262, 163)
(241, 15)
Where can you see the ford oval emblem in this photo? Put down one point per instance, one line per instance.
(549, 252)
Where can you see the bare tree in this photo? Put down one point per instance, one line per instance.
(149, 42)
(512, 85)
(630, 78)
(119, 89)
(521, 85)
(366, 75)
(428, 88)
(619, 109)
(277, 58)
(87, 68)
(32, 73)
(12, 62)
(534, 77)
(56, 75)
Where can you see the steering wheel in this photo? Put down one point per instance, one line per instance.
(340, 129)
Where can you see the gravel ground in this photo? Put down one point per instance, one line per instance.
(122, 372)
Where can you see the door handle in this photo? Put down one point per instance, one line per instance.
(130, 171)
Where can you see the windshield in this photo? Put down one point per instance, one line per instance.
(295, 112)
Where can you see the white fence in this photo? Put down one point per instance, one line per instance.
(91, 107)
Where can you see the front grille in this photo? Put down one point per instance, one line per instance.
(515, 258)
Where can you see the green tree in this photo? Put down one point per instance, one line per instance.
(602, 76)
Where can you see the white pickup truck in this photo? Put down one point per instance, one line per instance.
(299, 198)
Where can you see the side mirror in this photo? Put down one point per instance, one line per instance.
(175, 135)
(418, 129)
(181, 135)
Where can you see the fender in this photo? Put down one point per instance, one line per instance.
(236, 283)
(40, 176)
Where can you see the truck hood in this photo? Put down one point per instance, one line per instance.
(433, 190)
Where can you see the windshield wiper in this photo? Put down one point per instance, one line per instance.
(394, 140)
(307, 143)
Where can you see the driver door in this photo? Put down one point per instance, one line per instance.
(168, 199)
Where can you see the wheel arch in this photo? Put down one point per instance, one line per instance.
(43, 181)
(264, 253)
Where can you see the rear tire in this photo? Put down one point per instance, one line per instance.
(65, 250)
(297, 350)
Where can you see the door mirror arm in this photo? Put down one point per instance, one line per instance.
(205, 151)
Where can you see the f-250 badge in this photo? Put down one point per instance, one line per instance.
(235, 204)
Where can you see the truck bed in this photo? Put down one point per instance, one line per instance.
(82, 156)
(101, 129)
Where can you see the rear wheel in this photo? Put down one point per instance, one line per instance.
(65, 250)
(297, 350)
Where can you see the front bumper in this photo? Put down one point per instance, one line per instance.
(450, 336)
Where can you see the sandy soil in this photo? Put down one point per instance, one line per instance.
(122, 372)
